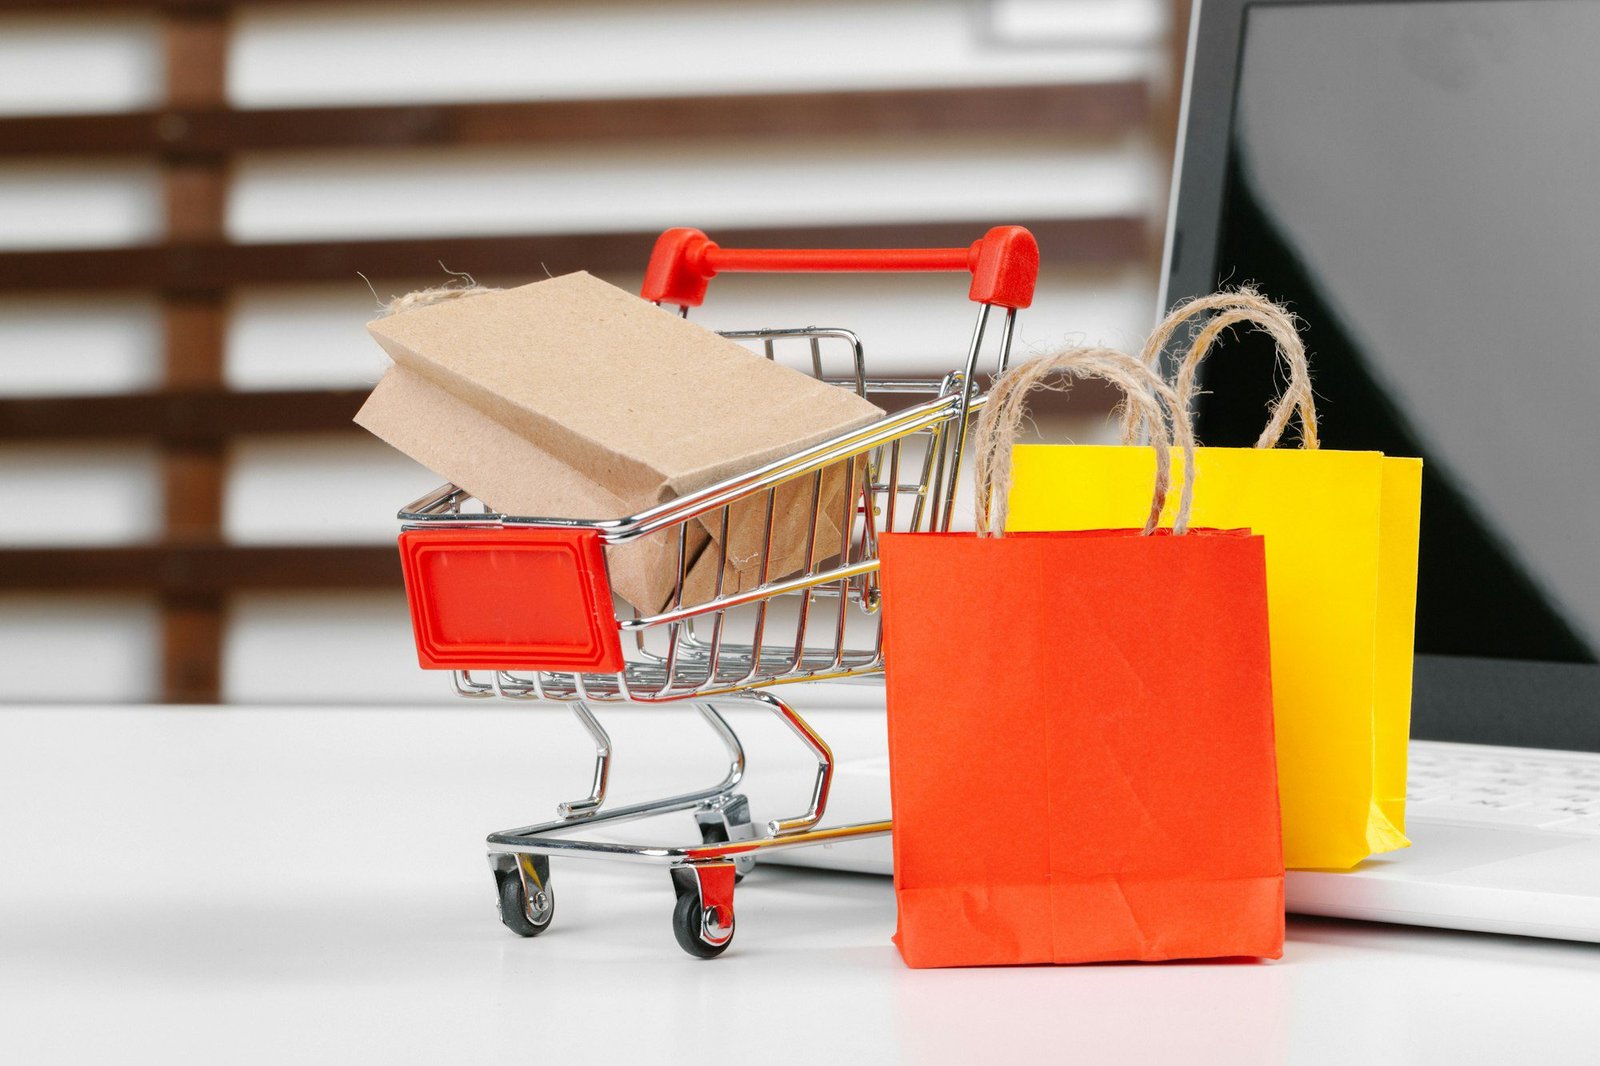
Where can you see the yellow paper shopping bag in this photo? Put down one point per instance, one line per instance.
(1341, 545)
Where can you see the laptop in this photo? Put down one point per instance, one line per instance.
(1416, 180)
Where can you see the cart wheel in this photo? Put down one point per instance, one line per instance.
(520, 915)
(702, 933)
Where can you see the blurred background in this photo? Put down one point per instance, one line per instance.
(195, 196)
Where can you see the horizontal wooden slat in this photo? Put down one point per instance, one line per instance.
(205, 267)
(191, 417)
(187, 569)
(172, 5)
(179, 5)
(184, 416)
(1054, 110)
(151, 5)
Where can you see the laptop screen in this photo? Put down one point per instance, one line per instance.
(1418, 181)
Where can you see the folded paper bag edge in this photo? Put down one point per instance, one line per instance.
(679, 345)
(957, 926)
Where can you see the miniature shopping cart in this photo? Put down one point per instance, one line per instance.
(521, 609)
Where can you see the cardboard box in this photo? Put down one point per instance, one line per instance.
(571, 398)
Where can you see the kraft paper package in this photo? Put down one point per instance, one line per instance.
(571, 398)
(1081, 755)
(1341, 538)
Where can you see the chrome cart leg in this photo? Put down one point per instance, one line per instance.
(818, 747)
(503, 841)
(702, 921)
(527, 902)
(703, 874)
(724, 820)
(730, 743)
(602, 766)
(590, 806)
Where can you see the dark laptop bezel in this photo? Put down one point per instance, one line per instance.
(1518, 703)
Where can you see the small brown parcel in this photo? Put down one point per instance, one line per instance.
(571, 398)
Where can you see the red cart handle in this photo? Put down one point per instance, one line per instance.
(1004, 264)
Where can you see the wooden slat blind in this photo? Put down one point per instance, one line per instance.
(198, 570)
(180, 417)
(1066, 110)
(202, 267)
(194, 268)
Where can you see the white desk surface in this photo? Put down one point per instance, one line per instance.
(308, 885)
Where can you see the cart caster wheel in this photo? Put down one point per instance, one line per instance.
(521, 915)
(703, 932)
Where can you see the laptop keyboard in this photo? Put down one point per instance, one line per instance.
(1461, 783)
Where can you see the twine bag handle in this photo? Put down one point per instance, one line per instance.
(1229, 309)
(1146, 395)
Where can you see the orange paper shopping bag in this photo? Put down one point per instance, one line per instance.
(1080, 726)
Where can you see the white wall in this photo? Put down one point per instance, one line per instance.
(340, 646)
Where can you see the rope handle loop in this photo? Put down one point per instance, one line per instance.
(1228, 309)
(1145, 397)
